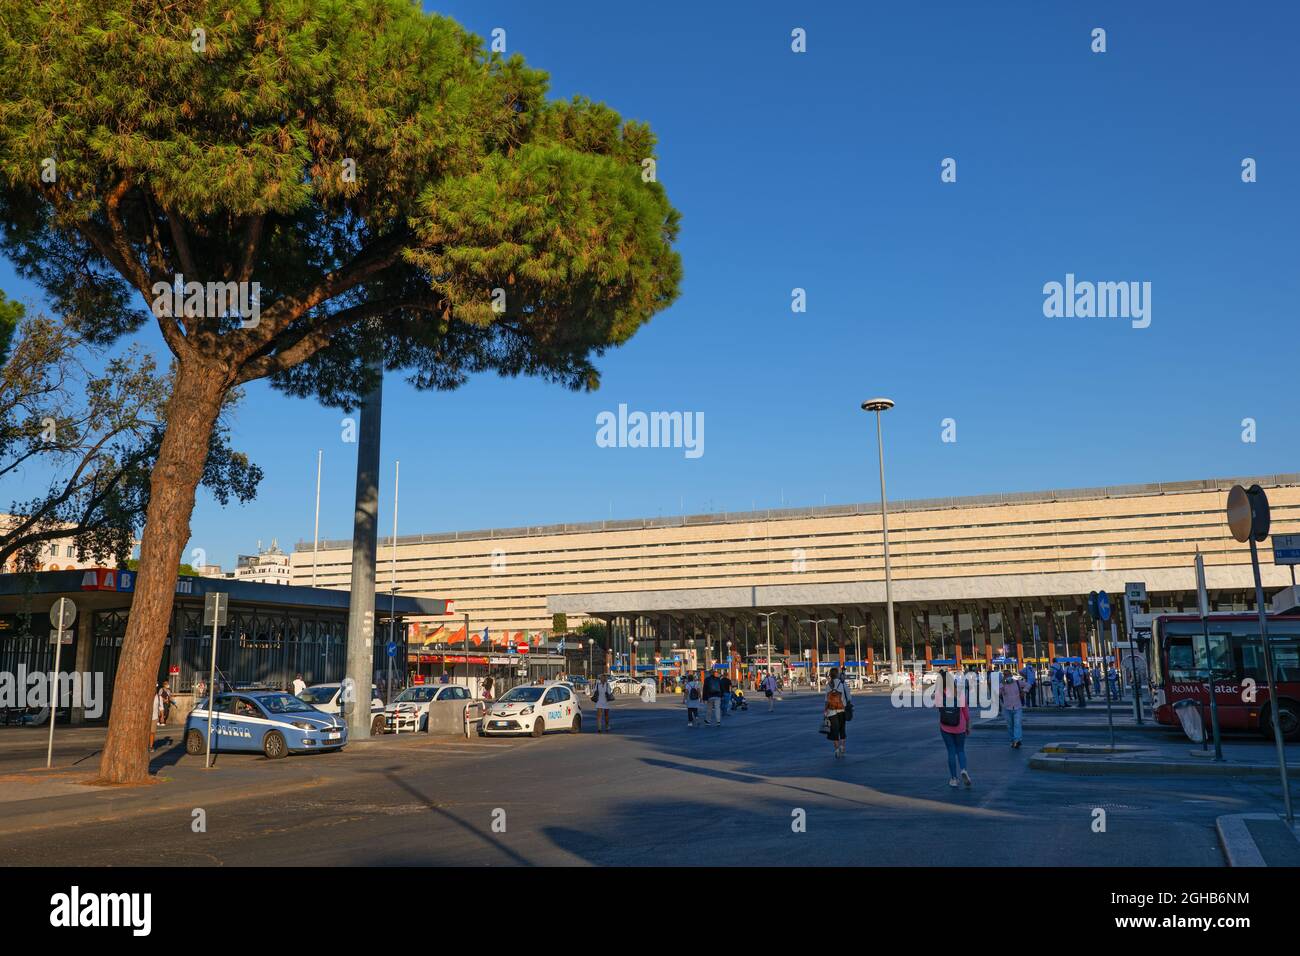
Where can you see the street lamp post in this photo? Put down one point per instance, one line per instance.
(767, 618)
(879, 405)
(857, 644)
(817, 642)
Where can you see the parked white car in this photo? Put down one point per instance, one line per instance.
(534, 709)
(325, 697)
(410, 711)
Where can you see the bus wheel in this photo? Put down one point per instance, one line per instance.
(1288, 721)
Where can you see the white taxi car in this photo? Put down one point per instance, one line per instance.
(534, 709)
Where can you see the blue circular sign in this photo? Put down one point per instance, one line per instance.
(1103, 605)
(392, 648)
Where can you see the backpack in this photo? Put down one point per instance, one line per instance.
(834, 700)
(693, 694)
(950, 716)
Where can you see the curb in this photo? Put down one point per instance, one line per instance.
(1082, 765)
(1235, 840)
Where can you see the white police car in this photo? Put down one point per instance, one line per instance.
(273, 722)
(534, 709)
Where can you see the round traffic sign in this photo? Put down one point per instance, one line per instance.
(392, 648)
(1260, 516)
(1103, 605)
(66, 608)
(1239, 517)
(521, 648)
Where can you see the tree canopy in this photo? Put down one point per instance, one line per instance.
(372, 167)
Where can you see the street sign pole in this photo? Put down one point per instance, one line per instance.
(1203, 604)
(1248, 520)
(1268, 670)
(214, 608)
(61, 615)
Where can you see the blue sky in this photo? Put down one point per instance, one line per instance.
(821, 171)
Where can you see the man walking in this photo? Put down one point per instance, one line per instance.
(769, 690)
(691, 696)
(712, 698)
(1010, 700)
(724, 690)
(299, 685)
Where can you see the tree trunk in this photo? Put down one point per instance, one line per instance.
(191, 414)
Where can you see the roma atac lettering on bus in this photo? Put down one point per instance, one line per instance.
(1233, 689)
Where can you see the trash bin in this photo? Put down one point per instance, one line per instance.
(1189, 715)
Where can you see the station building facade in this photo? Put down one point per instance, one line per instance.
(969, 574)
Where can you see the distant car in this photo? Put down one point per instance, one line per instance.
(629, 687)
(410, 712)
(325, 697)
(534, 709)
(275, 722)
(577, 683)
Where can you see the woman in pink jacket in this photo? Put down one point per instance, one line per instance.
(954, 725)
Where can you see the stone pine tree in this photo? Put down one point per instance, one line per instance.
(297, 190)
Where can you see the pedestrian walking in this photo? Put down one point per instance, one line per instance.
(602, 695)
(839, 708)
(713, 698)
(299, 685)
(691, 696)
(954, 725)
(724, 688)
(488, 693)
(1012, 703)
(769, 690)
(164, 703)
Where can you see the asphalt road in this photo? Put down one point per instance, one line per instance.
(657, 793)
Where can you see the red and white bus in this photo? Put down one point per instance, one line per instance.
(1179, 669)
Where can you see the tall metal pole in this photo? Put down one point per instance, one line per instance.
(315, 535)
(392, 587)
(879, 405)
(212, 694)
(365, 548)
(1270, 682)
(53, 696)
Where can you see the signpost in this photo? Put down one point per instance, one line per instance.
(62, 614)
(1203, 604)
(215, 607)
(1286, 550)
(1249, 520)
(1099, 608)
(1135, 593)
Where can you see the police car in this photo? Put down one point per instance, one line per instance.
(534, 709)
(273, 722)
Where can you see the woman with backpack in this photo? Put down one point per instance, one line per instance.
(838, 710)
(954, 725)
(691, 696)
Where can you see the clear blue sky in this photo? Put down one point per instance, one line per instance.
(821, 171)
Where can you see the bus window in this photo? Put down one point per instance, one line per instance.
(1182, 658)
